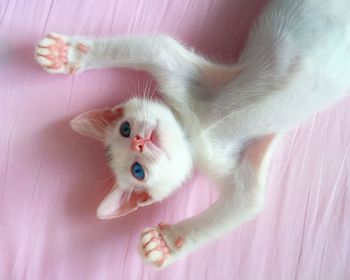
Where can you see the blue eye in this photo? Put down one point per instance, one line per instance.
(125, 129)
(137, 171)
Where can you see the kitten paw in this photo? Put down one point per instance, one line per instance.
(154, 249)
(159, 246)
(60, 54)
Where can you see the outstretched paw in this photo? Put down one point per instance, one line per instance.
(60, 54)
(153, 247)
(159, 246)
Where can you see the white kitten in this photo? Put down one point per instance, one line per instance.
(221, 119)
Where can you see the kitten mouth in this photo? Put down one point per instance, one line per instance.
(155, 139)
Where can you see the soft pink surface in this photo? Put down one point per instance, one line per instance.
(51, 179)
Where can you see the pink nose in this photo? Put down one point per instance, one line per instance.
(138, 143)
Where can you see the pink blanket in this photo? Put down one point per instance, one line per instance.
(52, 179)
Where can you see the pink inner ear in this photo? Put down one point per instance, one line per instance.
(107, 115)
(119, 203)
(94, 123)
(135, 200)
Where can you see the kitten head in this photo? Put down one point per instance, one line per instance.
(147, 151)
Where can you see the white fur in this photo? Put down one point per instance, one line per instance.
(296, 62)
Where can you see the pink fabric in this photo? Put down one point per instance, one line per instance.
(52, 179)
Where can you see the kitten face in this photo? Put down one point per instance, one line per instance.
(148, 135)
(147, 151)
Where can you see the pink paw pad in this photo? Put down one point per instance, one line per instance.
(154, 247)
(81, 47)
(57, 52)
(52, 54)
(179, 242)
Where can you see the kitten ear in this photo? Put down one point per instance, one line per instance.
(118, 203)
(219, 75)
(94, 123)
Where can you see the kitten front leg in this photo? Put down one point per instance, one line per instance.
(179, 71)
(163, 245)
(156, 54)
(240, 200)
